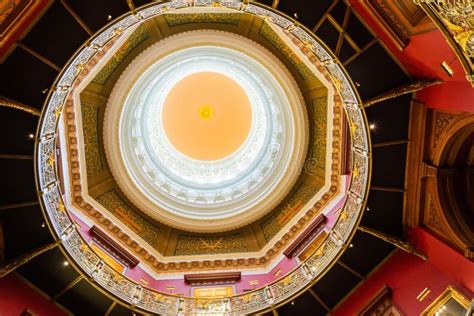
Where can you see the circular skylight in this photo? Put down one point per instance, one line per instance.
(200, 157)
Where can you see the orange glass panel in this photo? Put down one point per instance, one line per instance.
(207, 116)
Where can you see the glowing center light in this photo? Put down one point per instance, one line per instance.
(206, 112)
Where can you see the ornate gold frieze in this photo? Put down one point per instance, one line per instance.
(182, 19)
(320, 131)
(172, 266)
(201, 245)
(272, 37)
(90, 120)
(278, 219)
(112, 202)
(139, 36)
(455, 19)
(148, 300)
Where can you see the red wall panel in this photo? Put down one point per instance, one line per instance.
(17, 296)
(408, 275)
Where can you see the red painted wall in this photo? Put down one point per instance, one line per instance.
(17, 296)
(408, 275)
(422, 58)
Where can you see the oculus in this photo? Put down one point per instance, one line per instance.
(199, 194)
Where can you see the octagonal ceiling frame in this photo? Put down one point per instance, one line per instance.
(277, 239)
(128, 292)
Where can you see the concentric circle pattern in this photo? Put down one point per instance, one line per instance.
(202, 183)
(197, 194)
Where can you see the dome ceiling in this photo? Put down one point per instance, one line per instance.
(131, 144)
(198, 194)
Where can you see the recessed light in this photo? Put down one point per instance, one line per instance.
(292, 303)
(447, 68)
(31, 135)
(65, 263)
(43, 225)
(296, 15)
(109, 17)
(372, 126)
(367, 209)
(351, 245)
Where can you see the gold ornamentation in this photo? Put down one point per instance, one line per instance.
(272, 37)
(199, 245)
(90, 127)
(355, 172)
(451, 293)
(138, 37)
(182, 19)
(344, 215)
(61, 206)
(212, 244)
(206, 112)
(320, 107)
(112, 201)
(57, 112)
(455, 19)
(403, 245)
(5, 102)
(13, 265)
(51, 160)
(404, 89)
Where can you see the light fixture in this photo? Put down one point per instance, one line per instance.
(43, 225)
(367, 209)
(351, 245)
(31, 135)
(296, 15)
(65, 263)
(109, 17)
(292, 303)
(372, 126)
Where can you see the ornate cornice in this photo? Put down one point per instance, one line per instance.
(151, 301)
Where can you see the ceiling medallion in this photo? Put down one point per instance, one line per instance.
(197, 193)
(206, 112)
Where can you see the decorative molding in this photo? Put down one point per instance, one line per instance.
(306, 237)
(450, 293)
(432, 218)
(16, 18)
(403, 245)
(5, 102)
(18, 262)
(111, 245)
(455, 19)
(400, 19)
(381, 305)
(442, 121)
(414, 169)
(212, 278)
(402, 90)
(148, 300)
